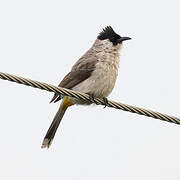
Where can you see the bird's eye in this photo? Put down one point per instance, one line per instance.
(113, 40)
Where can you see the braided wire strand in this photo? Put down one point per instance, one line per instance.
(85, 97)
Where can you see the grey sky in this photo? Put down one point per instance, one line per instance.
(41, 40)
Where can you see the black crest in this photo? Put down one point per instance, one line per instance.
(108, 33)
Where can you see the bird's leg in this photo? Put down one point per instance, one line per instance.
(91, 97)
(105, 101)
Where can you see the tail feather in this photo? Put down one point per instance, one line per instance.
(54, 125)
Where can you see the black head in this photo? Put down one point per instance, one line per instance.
(108, 33)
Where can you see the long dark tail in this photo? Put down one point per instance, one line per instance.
(54, 125)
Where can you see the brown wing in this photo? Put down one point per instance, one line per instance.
(80, 72)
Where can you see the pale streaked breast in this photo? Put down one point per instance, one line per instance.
(102, 80)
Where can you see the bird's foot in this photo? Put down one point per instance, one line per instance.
(105, 101)
(91, 97)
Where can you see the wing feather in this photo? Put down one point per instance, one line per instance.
(80, 72)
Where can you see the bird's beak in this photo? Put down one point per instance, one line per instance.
(123, 39)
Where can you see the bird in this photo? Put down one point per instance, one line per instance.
(95, 74)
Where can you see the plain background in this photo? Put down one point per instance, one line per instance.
(41, 40)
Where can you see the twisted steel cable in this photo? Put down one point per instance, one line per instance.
(85, 97)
